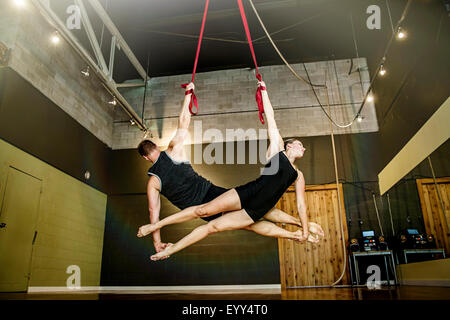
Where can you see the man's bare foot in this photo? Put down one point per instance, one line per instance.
(162, 255)
(312, 237)
(146, 230)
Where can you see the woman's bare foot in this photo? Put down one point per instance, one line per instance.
(162, 255)
(146, 230)
(313, 238)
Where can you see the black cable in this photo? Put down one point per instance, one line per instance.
(146, 84)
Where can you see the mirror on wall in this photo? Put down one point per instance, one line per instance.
(417, 210)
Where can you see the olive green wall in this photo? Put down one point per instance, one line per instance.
(426, 273)
(70, 225)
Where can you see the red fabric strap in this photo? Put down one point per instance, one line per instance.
(258, 76)
(194, 98)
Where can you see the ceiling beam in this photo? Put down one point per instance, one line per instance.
(121, 43)
(91, 35)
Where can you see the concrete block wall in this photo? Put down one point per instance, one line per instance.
(55, 70)
(227, 101)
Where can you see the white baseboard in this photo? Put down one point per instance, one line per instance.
(157, 289)
(426, 283)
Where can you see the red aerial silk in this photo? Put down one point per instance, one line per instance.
(194, 98)
(258, 75)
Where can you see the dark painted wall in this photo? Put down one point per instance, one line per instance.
(237, 257)
(419, 81)
(240, 257)
(34, 124)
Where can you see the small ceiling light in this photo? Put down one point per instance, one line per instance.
(147, 134)
(19, 3)
(55, 38)
(360, 118)
(132, 122)
(382, 70)
(401, 34)
(113, 102)
(369, 98)
(85, 72)
(87, 175)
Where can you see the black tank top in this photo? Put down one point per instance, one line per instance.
(180, 184)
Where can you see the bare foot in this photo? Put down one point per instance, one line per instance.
(162, 255)
(312, 237)
(146, 230)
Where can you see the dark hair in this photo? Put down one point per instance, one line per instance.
(288, 142)
(146, 147)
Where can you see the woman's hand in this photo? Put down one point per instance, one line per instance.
(160, 246)
(190, 86)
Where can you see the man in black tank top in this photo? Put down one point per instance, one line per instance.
(173, 176)
(244, 206)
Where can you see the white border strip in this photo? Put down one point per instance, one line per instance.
(155, 289)
(427, 139)
(426, 283)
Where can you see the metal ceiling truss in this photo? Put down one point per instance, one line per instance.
(104, 71)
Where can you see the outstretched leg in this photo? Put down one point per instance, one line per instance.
(269, 229)
(233, 221)
(226, 202)
(230, 221)
(279, 216)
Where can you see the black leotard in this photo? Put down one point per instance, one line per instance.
(260, 196)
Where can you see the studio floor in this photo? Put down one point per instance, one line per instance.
(385, 293)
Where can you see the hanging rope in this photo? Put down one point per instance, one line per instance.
(258, 75)
(338, 189)
(191, 91)
(378, 215)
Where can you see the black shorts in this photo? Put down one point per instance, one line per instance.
(213, 192)
(253, 200)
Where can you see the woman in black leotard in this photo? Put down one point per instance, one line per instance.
(249, 203)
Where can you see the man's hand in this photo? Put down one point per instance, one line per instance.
(262, 84)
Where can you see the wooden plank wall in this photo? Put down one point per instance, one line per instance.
(436, 221)
(307, 264)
